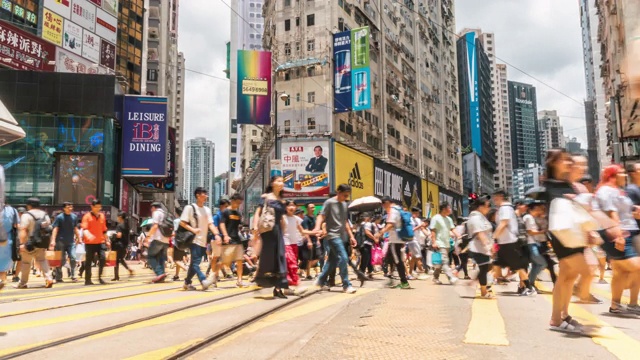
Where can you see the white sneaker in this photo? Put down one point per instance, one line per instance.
(206, 284)
(214, 281)
(349, 290)
(453, 280)
(188, 287)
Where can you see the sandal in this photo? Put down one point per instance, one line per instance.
(615, 311)
(567, 328)
(572, 321)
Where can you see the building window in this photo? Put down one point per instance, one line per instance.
(311, 45)
(297, 97)
(287, 25)
(297, 20)
(287, 49)
(311, 96)
(311, 20)
(311, 124)
(287, 3)
(311, 71)
(287, 127)
(287, 102)
(254, 132)
(297, 46)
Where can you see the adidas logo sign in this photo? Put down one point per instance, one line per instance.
(355, 180)
(407, 190)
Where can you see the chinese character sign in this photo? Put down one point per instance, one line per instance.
(52, 27)
(305, 168)
(254, 87)
(342, 72)
(144, 136)
(25, 51)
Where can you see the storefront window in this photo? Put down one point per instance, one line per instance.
(29, 163)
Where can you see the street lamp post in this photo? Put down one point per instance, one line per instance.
(284, 97)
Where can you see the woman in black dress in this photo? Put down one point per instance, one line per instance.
(272, 268)
(119, 245)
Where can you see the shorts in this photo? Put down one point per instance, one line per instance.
(629, 249)
(510, 255)
(480, 259)
(231, 253)
(414, 248)
(178, 254)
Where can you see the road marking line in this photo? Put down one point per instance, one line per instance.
(26, 295)
(278, 317)
(615, 341)
(107, 311)
(486, 326)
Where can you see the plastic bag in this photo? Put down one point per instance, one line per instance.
(376, 256)
(570, 223)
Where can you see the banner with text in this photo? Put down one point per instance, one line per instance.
(305, 168)
(144, 136)
(167, 183)
(402, 187)
(355, 169)
(254, 87)
(360, 73)
(342, 72)
(23, 51)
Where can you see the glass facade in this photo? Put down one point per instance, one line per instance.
(29, 163)
(21, 13)
(129, 59)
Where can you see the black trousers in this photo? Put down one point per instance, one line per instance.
(94, 250)
(394, 256)
(464, 259)
(120, 253)
(365, 260)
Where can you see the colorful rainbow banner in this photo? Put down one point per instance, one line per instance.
(254, 87)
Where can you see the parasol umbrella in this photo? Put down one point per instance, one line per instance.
(535, 192)
(367, 203)
(146, 222)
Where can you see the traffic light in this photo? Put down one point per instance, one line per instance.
(473, 196)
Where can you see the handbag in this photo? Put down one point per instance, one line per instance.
(111, 258)
(570, 223)
(376, 256)
(184, 238)
(436, 258)
(54, 258)
(267, 219)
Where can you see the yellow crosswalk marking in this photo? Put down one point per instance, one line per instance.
(487, 325)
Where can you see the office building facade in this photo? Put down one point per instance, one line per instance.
(200, 168)
(525, 146)
(550, 132)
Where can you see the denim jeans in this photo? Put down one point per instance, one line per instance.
(337, 257)
(68, 250)
(197, 252)
(538, 263)
(159, 257)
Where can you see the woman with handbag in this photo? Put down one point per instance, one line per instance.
(267, 230)
(625, 263)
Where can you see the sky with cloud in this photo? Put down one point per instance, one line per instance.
(542, 38)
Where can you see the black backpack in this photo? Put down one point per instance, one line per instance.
(166, 226)
(41, 234)
(361, 236)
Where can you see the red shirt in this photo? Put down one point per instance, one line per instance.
(97, 226)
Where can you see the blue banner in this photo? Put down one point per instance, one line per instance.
(360, 78)
(144, 136)
(474, 104)
(233, 165)
(342, 101)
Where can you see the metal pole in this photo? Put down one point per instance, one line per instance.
(276, 125)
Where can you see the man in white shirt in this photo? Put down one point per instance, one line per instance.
(416, 245)
(394, 253)
(157, 253)
(197, 219)
(509, 250)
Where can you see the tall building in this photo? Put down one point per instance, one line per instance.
(129, 55)
(476, 113)
(220, 187)
(598, 133)
(525, 147)
(200, 170)
(550, 132)
(504, 174)
(573, 146)
(620, 72)
(247, 27)
(524, 179)
(413, 123)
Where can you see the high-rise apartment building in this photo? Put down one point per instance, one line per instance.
(503, 178)
(550, 132)
(413, 123)
(598, 133)
(199, 166)
(524, 179)
(620, 70)
(525, 147)
(476, 113)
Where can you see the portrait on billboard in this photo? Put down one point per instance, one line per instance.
(317, 163)
(304, 168)
(78, 177)
(107, 55)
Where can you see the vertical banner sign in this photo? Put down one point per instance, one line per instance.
(474, 104)
(144, 136)
(166, 184)
(305, 168)
(254, 87)
(342, 72)
(52, 27)
(233, 164)
(360, 73)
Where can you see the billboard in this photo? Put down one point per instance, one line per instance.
(60, 7)
(355, 169)
(361, 80)
(52, 27)
(72, 38)
(107, 55)
(306, 169)
(26, 51)
(106, 26)
(144, 136)
(167, 183)
(399, 185)
(78, 177)
(254, 87)
(91, 47)
(110, 6)
(68, 62)
(83, 13)
(455, 200)
(342, 72)
(474, 104)
(360, 72)
(431, 198)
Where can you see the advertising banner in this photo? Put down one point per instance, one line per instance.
(107, 55)
(52, 27)
(275, 168)
(233, 164)
(68, 62)
(399, 185)
(254, 87)
(455, 200)
(124, 196)
(97, 2)
(72, 38)
(354, 168)
(474, 104)
(360, 72)
(106, 26)
(60, 7)
(26, 51)
(431, 198)
(110, 6)
(144, 136)
(167, 183)
(78, 177)
(91, 47)
(342, 72)
(305, 168)
(83, 13)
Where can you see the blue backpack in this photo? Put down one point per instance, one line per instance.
(406, 230)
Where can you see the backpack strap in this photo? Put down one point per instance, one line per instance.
(195, 214)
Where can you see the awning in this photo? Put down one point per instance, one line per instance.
(10, 131)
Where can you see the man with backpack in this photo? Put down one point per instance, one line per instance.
(157, 253)
(63, 238)
(442, 227)
(398, 226)
(35, 232)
